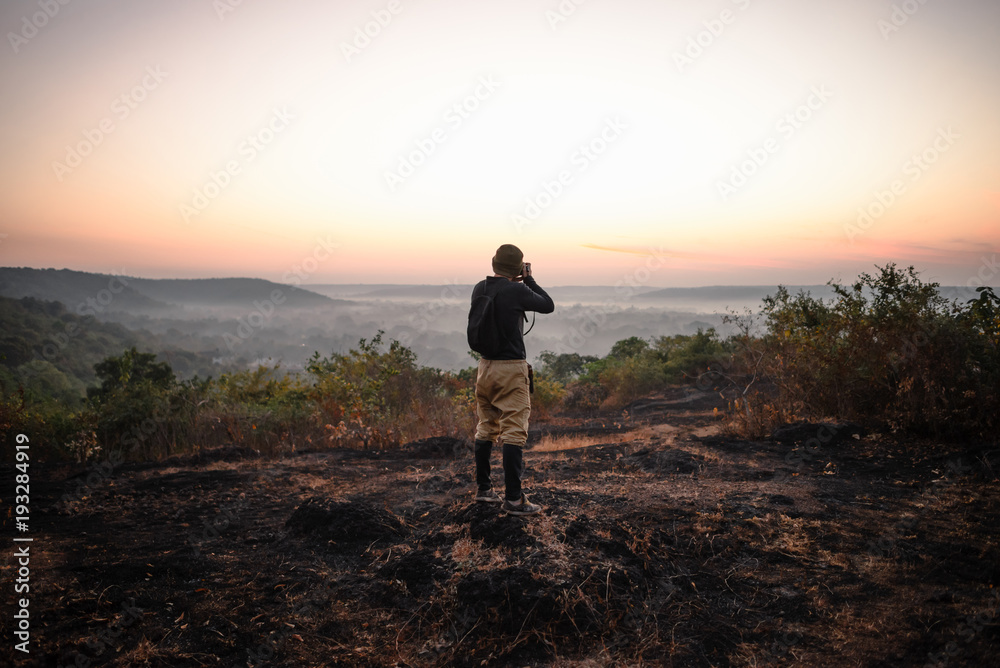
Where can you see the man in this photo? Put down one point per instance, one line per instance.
(503, 401)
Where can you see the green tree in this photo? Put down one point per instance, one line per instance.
(132, 368)
(564, 367)
(131, 410)
(628, 348)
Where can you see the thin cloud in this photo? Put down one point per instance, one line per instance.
(648, 251)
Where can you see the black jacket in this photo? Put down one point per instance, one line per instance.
(510, 301)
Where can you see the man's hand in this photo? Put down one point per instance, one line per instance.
(526, 272)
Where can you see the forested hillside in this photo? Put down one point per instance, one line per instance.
(51, 351)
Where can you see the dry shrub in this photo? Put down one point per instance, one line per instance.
(359, 436)
(754, 416)
(584, 395)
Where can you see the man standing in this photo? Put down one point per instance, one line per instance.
(503, 401)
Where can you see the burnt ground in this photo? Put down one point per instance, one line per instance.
(661, 543)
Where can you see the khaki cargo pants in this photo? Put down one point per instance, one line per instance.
(502, 401)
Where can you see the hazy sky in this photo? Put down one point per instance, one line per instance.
(738, 139)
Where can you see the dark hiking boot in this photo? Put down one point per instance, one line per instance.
(520, 507)
(487, 495)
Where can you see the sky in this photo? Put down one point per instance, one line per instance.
(682, 143)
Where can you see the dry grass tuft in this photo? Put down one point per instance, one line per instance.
(573, 441)
(472, 555)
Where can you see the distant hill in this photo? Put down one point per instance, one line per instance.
(85, 293)
(360, 292)
(421, 291)
(238, 292)
(75, 288)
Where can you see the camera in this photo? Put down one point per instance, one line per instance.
(526, 270)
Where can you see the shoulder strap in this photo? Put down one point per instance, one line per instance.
(532, 322)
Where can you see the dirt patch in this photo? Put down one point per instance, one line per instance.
(667, 461)
(419, 569)
(494, 528)
(322, 519)
(821, 433)
(436, 447)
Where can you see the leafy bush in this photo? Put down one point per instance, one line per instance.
(261, 408)
(634, 367)
(48, 424)
(547, 397)
(566, 367)
(372, 397)
(888, 350)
